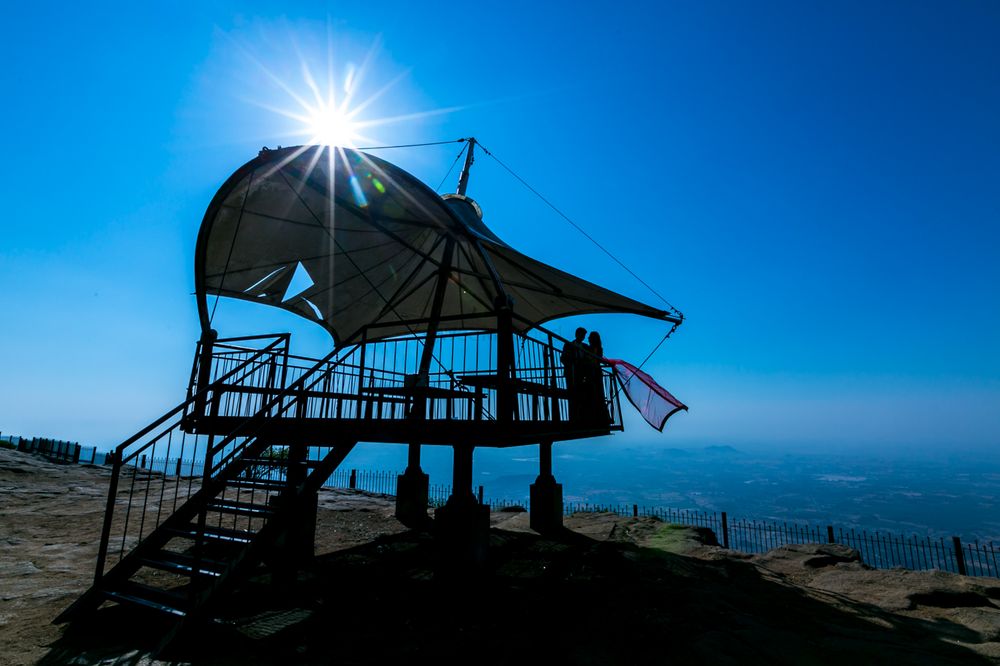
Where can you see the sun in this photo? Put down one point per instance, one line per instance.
(326, 105)
(329, 125)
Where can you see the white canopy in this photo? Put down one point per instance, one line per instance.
(368, 246)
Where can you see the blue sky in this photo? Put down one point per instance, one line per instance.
(814, 186)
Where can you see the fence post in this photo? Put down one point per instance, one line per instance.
(959, 556)
(178, 473)
(93, 455)
(142, 461)
(352, 483)
(725, 530)
(829, 534)
(635, 510)
(480, 494)
(76, 452)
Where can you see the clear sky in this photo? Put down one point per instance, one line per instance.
(815, 185)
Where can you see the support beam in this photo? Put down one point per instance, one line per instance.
(506, 399)
(462, 525)
(298, 547)
(461, 473)
(413, 457)
(412, 492)
(463, 178)
(546, 495)
(204, 376)
(545, 460)
(412, 486)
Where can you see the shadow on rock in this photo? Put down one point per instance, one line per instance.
(565, 599)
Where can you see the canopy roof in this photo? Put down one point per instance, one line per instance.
(375, 243)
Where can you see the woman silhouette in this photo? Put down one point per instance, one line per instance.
(593, 382)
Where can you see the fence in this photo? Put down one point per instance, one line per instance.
(379, 481)
(56, 449)
(880, 550)
(877, 549)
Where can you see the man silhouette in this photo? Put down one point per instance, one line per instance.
(572, 360)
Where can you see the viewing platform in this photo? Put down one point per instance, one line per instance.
(437, 339)
(373, 391)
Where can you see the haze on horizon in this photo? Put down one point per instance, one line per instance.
(814, 187)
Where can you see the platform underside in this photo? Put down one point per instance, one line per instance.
(326, 432)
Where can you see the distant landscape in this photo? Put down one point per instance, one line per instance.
(925, 494)
(936, 494)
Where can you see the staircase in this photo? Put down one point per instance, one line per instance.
(228, 479)
(189, 514)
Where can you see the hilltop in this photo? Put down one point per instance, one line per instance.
(610, 590)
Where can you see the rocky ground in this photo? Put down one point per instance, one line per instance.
(609, 590)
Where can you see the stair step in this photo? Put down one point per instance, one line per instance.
(272, 462)
(212, 533)
(240, 508)
(183, 564)
(256, 484)
(149, 597)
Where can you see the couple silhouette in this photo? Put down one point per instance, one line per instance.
(582, 365)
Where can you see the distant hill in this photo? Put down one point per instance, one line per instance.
(722, 449)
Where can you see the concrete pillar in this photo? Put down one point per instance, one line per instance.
(546, 495)
(462, 525)
(411, 492)
(299, 545)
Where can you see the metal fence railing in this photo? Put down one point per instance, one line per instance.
(55, 449)
(881, 550)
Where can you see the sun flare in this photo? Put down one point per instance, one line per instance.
(329, 125)
(331, 105)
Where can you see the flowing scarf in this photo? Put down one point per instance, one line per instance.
(651, 400)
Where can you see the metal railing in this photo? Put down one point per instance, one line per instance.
(255, 378)
(380, 379)
(141, 497)
(880, 550)
(57, 450)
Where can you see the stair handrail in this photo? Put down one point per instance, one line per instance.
(119, 459)
(213, 482)
(265, 411)
(120, 449)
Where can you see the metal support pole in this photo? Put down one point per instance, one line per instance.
(208, 338)
(413, 457)
(419, 405)
(959, 556)
(545, 495)
(545, 460)
(461, 475)
(463, 178)
(505, 360)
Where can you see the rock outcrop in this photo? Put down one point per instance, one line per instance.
(608, 590)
